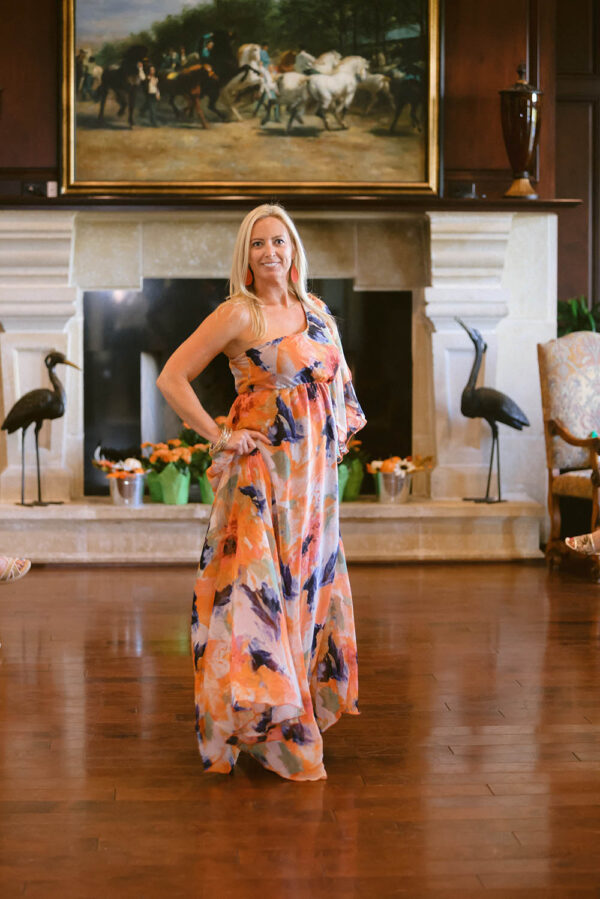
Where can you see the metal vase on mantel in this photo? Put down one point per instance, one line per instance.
(521, 108)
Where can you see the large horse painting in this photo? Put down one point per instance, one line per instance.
(283, 97)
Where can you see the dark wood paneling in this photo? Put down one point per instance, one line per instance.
(29, 78)
(577, 47)
(578, 146)
(574, 150)
(542, 66)
(484, 44)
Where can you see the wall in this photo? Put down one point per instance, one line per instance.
(484, 42)
(30, 90)
(578, 146)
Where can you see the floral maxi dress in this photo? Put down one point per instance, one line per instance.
(272, 622)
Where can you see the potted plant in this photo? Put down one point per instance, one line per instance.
(351, 471)
(168, 468)
(125, 476)
(173, 464)
(393, 476)
(201, 459)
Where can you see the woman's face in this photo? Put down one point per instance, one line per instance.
(271, 250)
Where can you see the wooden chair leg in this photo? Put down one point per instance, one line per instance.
(554, 511)
(595, 506)
(555, 548)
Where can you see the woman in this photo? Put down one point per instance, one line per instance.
(272, 621)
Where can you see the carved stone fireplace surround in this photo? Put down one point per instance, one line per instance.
(494, 269)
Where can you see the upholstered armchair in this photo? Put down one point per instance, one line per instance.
(570, 382)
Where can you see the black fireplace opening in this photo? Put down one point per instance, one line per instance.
(129, 335)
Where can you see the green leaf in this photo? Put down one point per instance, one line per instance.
(574, 314)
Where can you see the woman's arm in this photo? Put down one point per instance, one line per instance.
(212, 337)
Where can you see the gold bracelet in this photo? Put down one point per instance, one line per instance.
(221, 442)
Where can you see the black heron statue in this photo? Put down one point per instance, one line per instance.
(37, 406)
(490, 404)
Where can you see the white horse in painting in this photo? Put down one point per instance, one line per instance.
(292, 93)
(323, 64)
(331, 93)
(375, 85)
(334, 93)
(251, 77)
(326, 63)
(248, 55)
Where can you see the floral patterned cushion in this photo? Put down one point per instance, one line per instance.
(570, 382)
(574, 483)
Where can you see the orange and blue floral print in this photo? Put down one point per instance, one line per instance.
(272, 622)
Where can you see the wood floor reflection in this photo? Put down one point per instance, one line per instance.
(473, 769)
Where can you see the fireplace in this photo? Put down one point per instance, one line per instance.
(495, 269)
(128, 336)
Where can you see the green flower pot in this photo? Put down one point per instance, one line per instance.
(356, 474)
(206, 492)
(154, 488)
(343, 475)
(175, 485)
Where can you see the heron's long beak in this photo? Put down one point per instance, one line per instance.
(466, 327)
(72, 364)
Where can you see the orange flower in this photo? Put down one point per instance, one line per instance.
(174, 441)
(146, 444)
(388, 465)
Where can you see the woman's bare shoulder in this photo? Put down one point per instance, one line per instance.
(232, 315)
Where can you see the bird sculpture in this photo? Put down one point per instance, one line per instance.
(490, 404)
(37, 406)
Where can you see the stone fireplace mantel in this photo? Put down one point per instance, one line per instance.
(494, 269)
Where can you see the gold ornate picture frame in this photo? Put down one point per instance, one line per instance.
(296, 97)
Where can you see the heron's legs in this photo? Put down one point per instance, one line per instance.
(498, 466)
(489, 478)
(38, 425)
(496, 448)
(23, 466)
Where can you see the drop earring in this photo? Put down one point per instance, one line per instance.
(294, 274)
(249, 277)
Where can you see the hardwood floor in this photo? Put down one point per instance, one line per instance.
(473, 769)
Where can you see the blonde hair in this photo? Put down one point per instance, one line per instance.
(240, 293)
